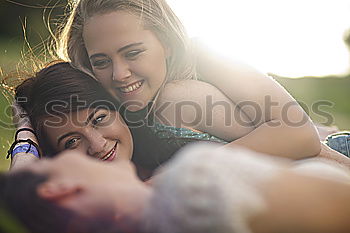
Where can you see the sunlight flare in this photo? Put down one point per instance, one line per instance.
(290, 38)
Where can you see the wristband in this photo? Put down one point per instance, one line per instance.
(26, 148)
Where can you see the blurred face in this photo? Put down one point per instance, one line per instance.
(91, 187)
(99, 133)
(127, 59)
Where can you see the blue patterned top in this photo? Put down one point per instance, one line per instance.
(156, 143)
(182, 136)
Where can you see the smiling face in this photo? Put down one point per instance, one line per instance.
(127, 59)
(99, 133)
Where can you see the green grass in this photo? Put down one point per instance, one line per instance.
(10, 54)
(331, 94)
(6, 133)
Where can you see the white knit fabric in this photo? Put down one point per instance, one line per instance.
(209, 189)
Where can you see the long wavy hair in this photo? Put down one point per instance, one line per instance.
(156, 16)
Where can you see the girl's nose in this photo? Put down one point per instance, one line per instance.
(97, 144)
(121, 71)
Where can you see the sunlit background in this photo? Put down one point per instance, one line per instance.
(291, 38)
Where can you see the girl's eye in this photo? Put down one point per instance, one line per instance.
(100, 64)
(98, 120)
(133, 54)
(71, 143)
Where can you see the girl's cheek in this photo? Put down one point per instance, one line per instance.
(103, 76)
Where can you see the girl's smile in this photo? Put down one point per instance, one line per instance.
(126, 58)
(100, 133)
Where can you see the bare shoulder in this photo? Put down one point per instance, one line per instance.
(184, 101)
(188, 90)
(201, 106)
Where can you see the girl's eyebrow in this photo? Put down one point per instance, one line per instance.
(119, 50)
(128, 46)
(64, 136)
(91, 115)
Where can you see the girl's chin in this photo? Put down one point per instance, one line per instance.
(133, 108)
(133, 105)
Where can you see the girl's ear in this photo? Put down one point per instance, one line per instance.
(57, 191)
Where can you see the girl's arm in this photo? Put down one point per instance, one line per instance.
(202, 107)
(21, 121)
(281, 126)
(329, 153)
(304, 204)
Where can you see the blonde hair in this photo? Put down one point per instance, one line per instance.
(156, 16)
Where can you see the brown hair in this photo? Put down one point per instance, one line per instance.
(56, 90)
(52, 92)
(29, 212)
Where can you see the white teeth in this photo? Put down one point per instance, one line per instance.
(131, 88)
(108, 155)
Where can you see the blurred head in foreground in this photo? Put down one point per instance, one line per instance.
(204, 189)
(74, 193)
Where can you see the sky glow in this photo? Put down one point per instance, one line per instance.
(291, 38)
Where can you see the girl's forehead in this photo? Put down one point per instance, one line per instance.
(59, 119)
(112, 31)
(121, 19)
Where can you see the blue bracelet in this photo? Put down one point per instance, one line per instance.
(25, 148)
